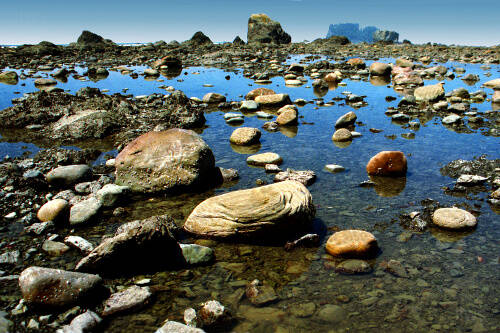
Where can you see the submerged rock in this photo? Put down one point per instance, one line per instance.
(135, 247)
(213, 314)
(259, 294)
(175, 327)
(305, 177)
(282, 206)
(86, 322)
(55, 287)
(264, 158)
(162, 161)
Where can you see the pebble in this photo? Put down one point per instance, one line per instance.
(334, 168)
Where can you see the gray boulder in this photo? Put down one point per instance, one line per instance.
(385, 36)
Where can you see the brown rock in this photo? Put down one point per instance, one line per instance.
(273, 100)
(352, 243)
(380, 69)
(214, 98)
(281, 206)
(53, 210)
(287, 116)
(259, 92)
(401, 62)
(245, 136)
(331, 77)
(161, 161)
(429, 93)
(387, 163)
(453, 218)
(357, 62)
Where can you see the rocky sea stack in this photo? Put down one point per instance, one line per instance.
(261, 29)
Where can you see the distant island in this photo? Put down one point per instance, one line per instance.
(367, 34)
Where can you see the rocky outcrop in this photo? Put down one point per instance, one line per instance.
(261, 29)
(352, 31)
(55, 287)
(165, 161)
(385, 36)
(135, 247)
(199, 38)
(279, 207)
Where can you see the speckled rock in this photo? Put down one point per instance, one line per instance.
(131, 298)
(264, 158)
(243, 136)
(342, 135)
(453, 218)
(429, 93)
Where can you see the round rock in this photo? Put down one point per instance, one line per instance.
(453, 218)
(245, 136)
(352, 243)
(387, 163)
(342, 135)
(52, 210)
(264, 158)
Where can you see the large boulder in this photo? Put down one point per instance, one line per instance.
(261, 29)
(9, 77)
(163, 161)
(90, 39)
(281, 207)
(135, 247)
(385, 36)
(55, 287)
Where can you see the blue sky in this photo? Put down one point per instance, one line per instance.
(472, 22)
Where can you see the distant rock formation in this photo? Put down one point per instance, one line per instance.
(356, 34)
(385, 36)
(261, 29)
(88, 38)
(352, 31)
(199, 38)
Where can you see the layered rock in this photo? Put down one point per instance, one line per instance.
(163, 161)
(261, 29)
(281, 206)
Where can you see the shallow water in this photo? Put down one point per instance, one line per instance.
(448, 289)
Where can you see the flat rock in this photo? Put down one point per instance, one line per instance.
(110, 194)
(80, 243)
(453, 218)
(451, 119)
(352, 243)
(249, 105)
(285, 205)
(213, 98)
(131, 298)
(196, 254)
(264, 158)
(259, 294)
(334, 168)
(471, 180)
(331, 314)
(55, 287)
(54, 248)
(353, 266)
(273, 100)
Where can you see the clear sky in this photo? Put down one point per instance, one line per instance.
(471, 22)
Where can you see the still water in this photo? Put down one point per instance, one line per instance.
(447, 288)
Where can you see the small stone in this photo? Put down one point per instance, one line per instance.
(197, 254)
(214, 314)
(264, 158)
(110, 194)
(68, 175)
(53, 210)
(260, 295)
(249, 106)
(80, 243)
(352, 243)
(306, 177)
(334, 168)
(332, 314)
(131, 298)
(272, 168)
(54, 249)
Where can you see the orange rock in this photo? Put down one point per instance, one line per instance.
(387, 163)
(352, 243)
(259, 92)
(356, 62)
(331, 77)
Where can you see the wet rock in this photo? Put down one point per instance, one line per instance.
(259, 92)
(245, 136)
(320, 84)
(380, 69)
(429, 93)
(332, 77)
(352, 243)
(56, 288)
(331, 314)
(53, 210)
(342, 135)
(135, 247)
(5, 324)
(261, 29)
(453, 218)
(272, 168)
(80, 243)
(110, 194)
(84, 211)
(451, 119)
(151, 72)
(302, 310)
(492, 83)
(196, 254)
(471, 180)
(287, 116)
(9, 77)
(132, 298)
(395, 268)
(309, 240)
(259, 294)
(285, 204)
(68, 175)
(10, 258)
(346, 120)
(264, 158)
(334, 168)
(45, 82)
(306, 177)
(161, 161)
(175, 327)
(213, 98)
(54, 249)
(274, 100)
(353, 266)
(214, 314)
(85, 322)
(39, 228)
(387, 163)
(249, 105)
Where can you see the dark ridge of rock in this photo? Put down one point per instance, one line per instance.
(352, 31)
(385, 36)
(238, 41)
(199, 38)
(41, 49)
(261, 29)
(480, 166)
(90, 38)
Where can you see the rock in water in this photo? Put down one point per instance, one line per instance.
(429, 93)
(86, 322)
(380, 69)
(135, 246)
(453, 218)
(352, 243)
(281, 206)
(175, 327)
(273, 100)
(264, 158)
(55, 287)
(245, 136)
(213, 314)
(387, 163)
(162, 161)
(305, 177)
(131, 298)
(261, 29)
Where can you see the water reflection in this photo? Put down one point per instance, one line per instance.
(320, 92)
(380, 80)
(245, 150)
(450, 236)
(388, 186)
(289, 131)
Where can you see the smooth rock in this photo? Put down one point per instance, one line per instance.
(352, 243)
(273, 100)
(196, 254)
(132, 298)
(451, 119)
(55, 287)
(264, 158)
(259, 92)
(244, 136)
(380, 69)
(342, 135)
(429, 93)
(85, 322)
(305, 177)
(213, 98)
(84, 211)
(471, 180)
(285, 204)
(175, 327)
(387, 163)
(453, 218)
(287, 116)
(80, 243)
(249, 105)
(110, 194)
(330, 313)
(53, 210)
(346, 120)
(54, 249)
(334, 168)
(353, 266)
(68, 175)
